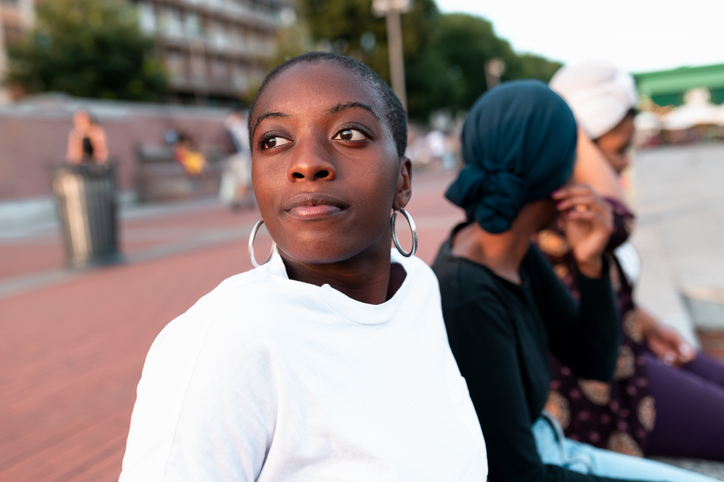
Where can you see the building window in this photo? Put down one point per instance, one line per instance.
(198, 67)
(240, 77)
(218, 36)
(171, 22)
(219, 70)
(175, 63)
(147, 17)
(192, 25)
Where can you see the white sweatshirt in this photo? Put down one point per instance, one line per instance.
(271, 379)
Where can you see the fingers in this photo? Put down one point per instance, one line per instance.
(669, 358)
(572, 190)
(686, 353)
(591, 215)
(580, 198)
(585, 210)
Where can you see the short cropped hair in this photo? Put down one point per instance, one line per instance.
(393, 113)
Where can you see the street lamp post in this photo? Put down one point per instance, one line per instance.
(392, 10)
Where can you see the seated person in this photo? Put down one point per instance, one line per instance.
(666, 398)
(504, 308)
(329, 362)
(192, 161)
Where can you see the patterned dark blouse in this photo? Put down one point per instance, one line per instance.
(618, 416)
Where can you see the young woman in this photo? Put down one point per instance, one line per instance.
(665, 399)
(330, 362)
(505, 309)
(86, 140)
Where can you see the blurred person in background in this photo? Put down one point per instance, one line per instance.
(235, 189)
(86, 140)
(504, 308)
(666, 398)
(185, 154)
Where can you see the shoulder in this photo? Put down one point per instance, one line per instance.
(230, 317)
(471, 295)
(464, 279)
(207, 392)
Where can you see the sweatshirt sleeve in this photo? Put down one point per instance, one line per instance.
(583, 334)
(201, 413)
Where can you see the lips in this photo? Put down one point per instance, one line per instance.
(314, 206)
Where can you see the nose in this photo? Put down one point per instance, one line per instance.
(311, 163)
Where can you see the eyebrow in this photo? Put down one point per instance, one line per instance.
(331, 111)
(352, 105)
(267, 115)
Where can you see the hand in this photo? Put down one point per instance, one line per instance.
(665, 342)
(588, 225)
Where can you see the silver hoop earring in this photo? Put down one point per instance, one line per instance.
(413, 228)
(252, 237)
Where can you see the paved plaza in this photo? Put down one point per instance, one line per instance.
(679, 200)
(72, 343)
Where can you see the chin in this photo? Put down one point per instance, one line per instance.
(319, 253)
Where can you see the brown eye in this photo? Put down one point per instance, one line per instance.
(272, 142)
(350, 135)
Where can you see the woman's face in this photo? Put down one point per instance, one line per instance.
(325, 169)
(615, 144)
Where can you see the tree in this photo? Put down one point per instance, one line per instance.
(348, 27)
(462, 46)
(445, 54)
(88, 48)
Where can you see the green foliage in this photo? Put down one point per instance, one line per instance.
(536, 67)
(348, 27)
(445, 54)
(291, 41)
(462, 45)
(88, 48)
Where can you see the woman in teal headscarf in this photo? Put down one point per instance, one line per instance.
(503, 306)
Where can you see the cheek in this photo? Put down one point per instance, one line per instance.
(264, 187)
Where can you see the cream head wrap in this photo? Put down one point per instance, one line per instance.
(599, 94)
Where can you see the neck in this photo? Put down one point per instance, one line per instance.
(368, 279)
(504, 252)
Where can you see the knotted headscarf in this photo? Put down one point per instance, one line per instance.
(519, 144)
(599, 94)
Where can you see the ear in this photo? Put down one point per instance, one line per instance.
(404, 184)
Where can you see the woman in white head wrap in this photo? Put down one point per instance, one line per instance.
(665, 399)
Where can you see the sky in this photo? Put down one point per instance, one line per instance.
(636, 35)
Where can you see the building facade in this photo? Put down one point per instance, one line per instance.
(667, 87)
(16, 16)
(215, 51)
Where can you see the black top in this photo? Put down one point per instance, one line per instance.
(501, 334)
(87, 148)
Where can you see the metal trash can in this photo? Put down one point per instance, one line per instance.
(86, 201)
